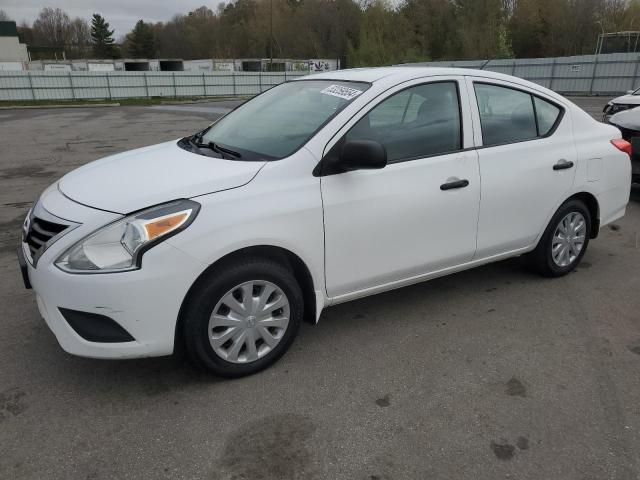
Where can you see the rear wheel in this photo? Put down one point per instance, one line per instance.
(243, 318)
(564, 242)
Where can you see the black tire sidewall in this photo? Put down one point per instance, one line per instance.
(544, 253)
(211, 290)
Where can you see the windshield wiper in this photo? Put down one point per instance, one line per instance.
(218, 149)
(197, 138)
(233, 153)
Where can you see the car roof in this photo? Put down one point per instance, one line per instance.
(398, 74)
(371, 75)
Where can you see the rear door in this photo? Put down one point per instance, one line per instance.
(527, 162)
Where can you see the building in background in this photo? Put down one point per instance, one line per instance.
(178, 65)
(13, 54)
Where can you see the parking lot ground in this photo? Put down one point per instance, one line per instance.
(591, 105)
(491, 373)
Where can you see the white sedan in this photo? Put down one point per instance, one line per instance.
(319, 191)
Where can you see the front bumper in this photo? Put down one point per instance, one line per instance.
(24, 270)
(144, 302)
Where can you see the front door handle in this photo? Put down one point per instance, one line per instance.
(454, 184)
(562, 165)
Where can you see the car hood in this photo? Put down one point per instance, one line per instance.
(628, 100)
(629, 119)
(148, 176)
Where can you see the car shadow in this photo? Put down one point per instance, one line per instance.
(483, 280)
(153, 377)
(146, 377)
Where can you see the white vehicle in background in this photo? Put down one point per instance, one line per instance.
(628, 122)
(322, 190)
(620, 104)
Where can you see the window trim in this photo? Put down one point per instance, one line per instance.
(319, 170)
(551, 131)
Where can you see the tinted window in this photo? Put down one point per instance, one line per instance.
(506, 115)
(279, 121)
(417, 122)
(547, 115)
(390, 112)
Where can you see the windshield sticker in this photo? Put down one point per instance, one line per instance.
(343, 92)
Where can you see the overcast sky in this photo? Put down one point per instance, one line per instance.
(121, 14)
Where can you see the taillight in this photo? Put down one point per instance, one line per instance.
(622, 145)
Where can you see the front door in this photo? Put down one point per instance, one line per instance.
(418, 214)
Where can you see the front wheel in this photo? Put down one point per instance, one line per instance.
(564, 242)
(243, 318)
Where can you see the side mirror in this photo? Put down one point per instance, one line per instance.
(362, 155)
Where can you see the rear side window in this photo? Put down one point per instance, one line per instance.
(547, 114)
(417, 122)
(508, 115)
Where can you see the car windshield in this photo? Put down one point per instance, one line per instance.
(278, 122)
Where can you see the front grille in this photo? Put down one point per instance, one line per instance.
(40, 232)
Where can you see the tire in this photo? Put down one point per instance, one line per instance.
(216, 342)
(542, 258)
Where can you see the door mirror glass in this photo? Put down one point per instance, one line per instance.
(362, 155)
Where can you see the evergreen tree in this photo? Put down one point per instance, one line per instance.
(141, 42)
(102, 38)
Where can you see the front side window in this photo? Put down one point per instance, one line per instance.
(508, 115)
(417, 122)
(278, 122)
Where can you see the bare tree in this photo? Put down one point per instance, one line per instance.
(52, 28)
(79, 32)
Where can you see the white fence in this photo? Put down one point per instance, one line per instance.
(610, 74)
(116, 85)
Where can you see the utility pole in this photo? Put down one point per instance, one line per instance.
(271, 35)
(600, 38)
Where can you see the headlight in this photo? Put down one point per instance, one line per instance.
(119, 246)
(26, 224)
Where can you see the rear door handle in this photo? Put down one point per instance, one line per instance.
(454, 184)
(562, 165)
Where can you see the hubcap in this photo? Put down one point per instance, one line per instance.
(568, 239)
(249, 321)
